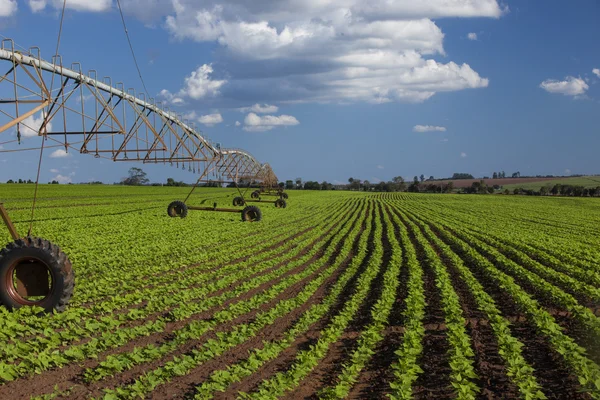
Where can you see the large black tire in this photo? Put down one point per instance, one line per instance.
(284, 195)
(238, 201)
(251, 214)
(255, 194)
(40, 253)
(280, 203)
(177, 209)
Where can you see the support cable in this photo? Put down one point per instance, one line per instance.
(37, 179)
(131, 48)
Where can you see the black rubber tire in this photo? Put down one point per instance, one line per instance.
(177, 209)
(251, 214)
(43, 252)
(284, 195)
(280, 203)
(255, 194)
(238, 201)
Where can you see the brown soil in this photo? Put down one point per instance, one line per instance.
(287, 357)
(489, 365)
(434, 381)
(142, 304)
(330, 366)
(373, 382)
(182, 386)
(70, 374)
(550, 368)
(545, 299)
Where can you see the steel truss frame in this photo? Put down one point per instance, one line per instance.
(82, 113)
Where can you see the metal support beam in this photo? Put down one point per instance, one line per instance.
(8, 223)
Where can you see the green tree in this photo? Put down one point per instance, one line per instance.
(326, 185)
(136, 177)
(399, 183)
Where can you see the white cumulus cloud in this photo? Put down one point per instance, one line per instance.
(327, 51)
(54, 171)
(31, 125)
(62, 179)
(463, 154)
(256, 123)
(197, 85)
(59, 153)
(211, 119)
(596, 72)
(77, 5)
(260, 109)
(472, 36)
(429, 128)
(8, 8)
(238, 123)
(430, 8)
(380, 167)
(571, 86)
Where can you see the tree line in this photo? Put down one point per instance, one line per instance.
(561, 190)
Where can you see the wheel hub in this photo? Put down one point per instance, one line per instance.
(29, 281)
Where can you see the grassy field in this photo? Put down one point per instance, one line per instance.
(339, 295)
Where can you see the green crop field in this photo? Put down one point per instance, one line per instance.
(339, 295)
(585, 181)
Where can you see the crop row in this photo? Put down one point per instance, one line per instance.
(40, 354)
(240, 333)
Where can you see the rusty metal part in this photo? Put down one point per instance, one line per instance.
(232, 210)
(260, 201)
(28, 277)
(8, 223)
(110, 122)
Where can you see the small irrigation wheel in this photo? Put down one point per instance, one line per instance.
(177, 209)
(251, 214)
(255, 194)
(238, 201)
(280, 203)
(284, 195)
(35, 272)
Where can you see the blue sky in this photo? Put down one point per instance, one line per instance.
(343, 88)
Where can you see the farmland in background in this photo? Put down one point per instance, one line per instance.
(525, 183)
(585, 181)
(340, 295)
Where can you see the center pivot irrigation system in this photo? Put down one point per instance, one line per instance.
(70, 110)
